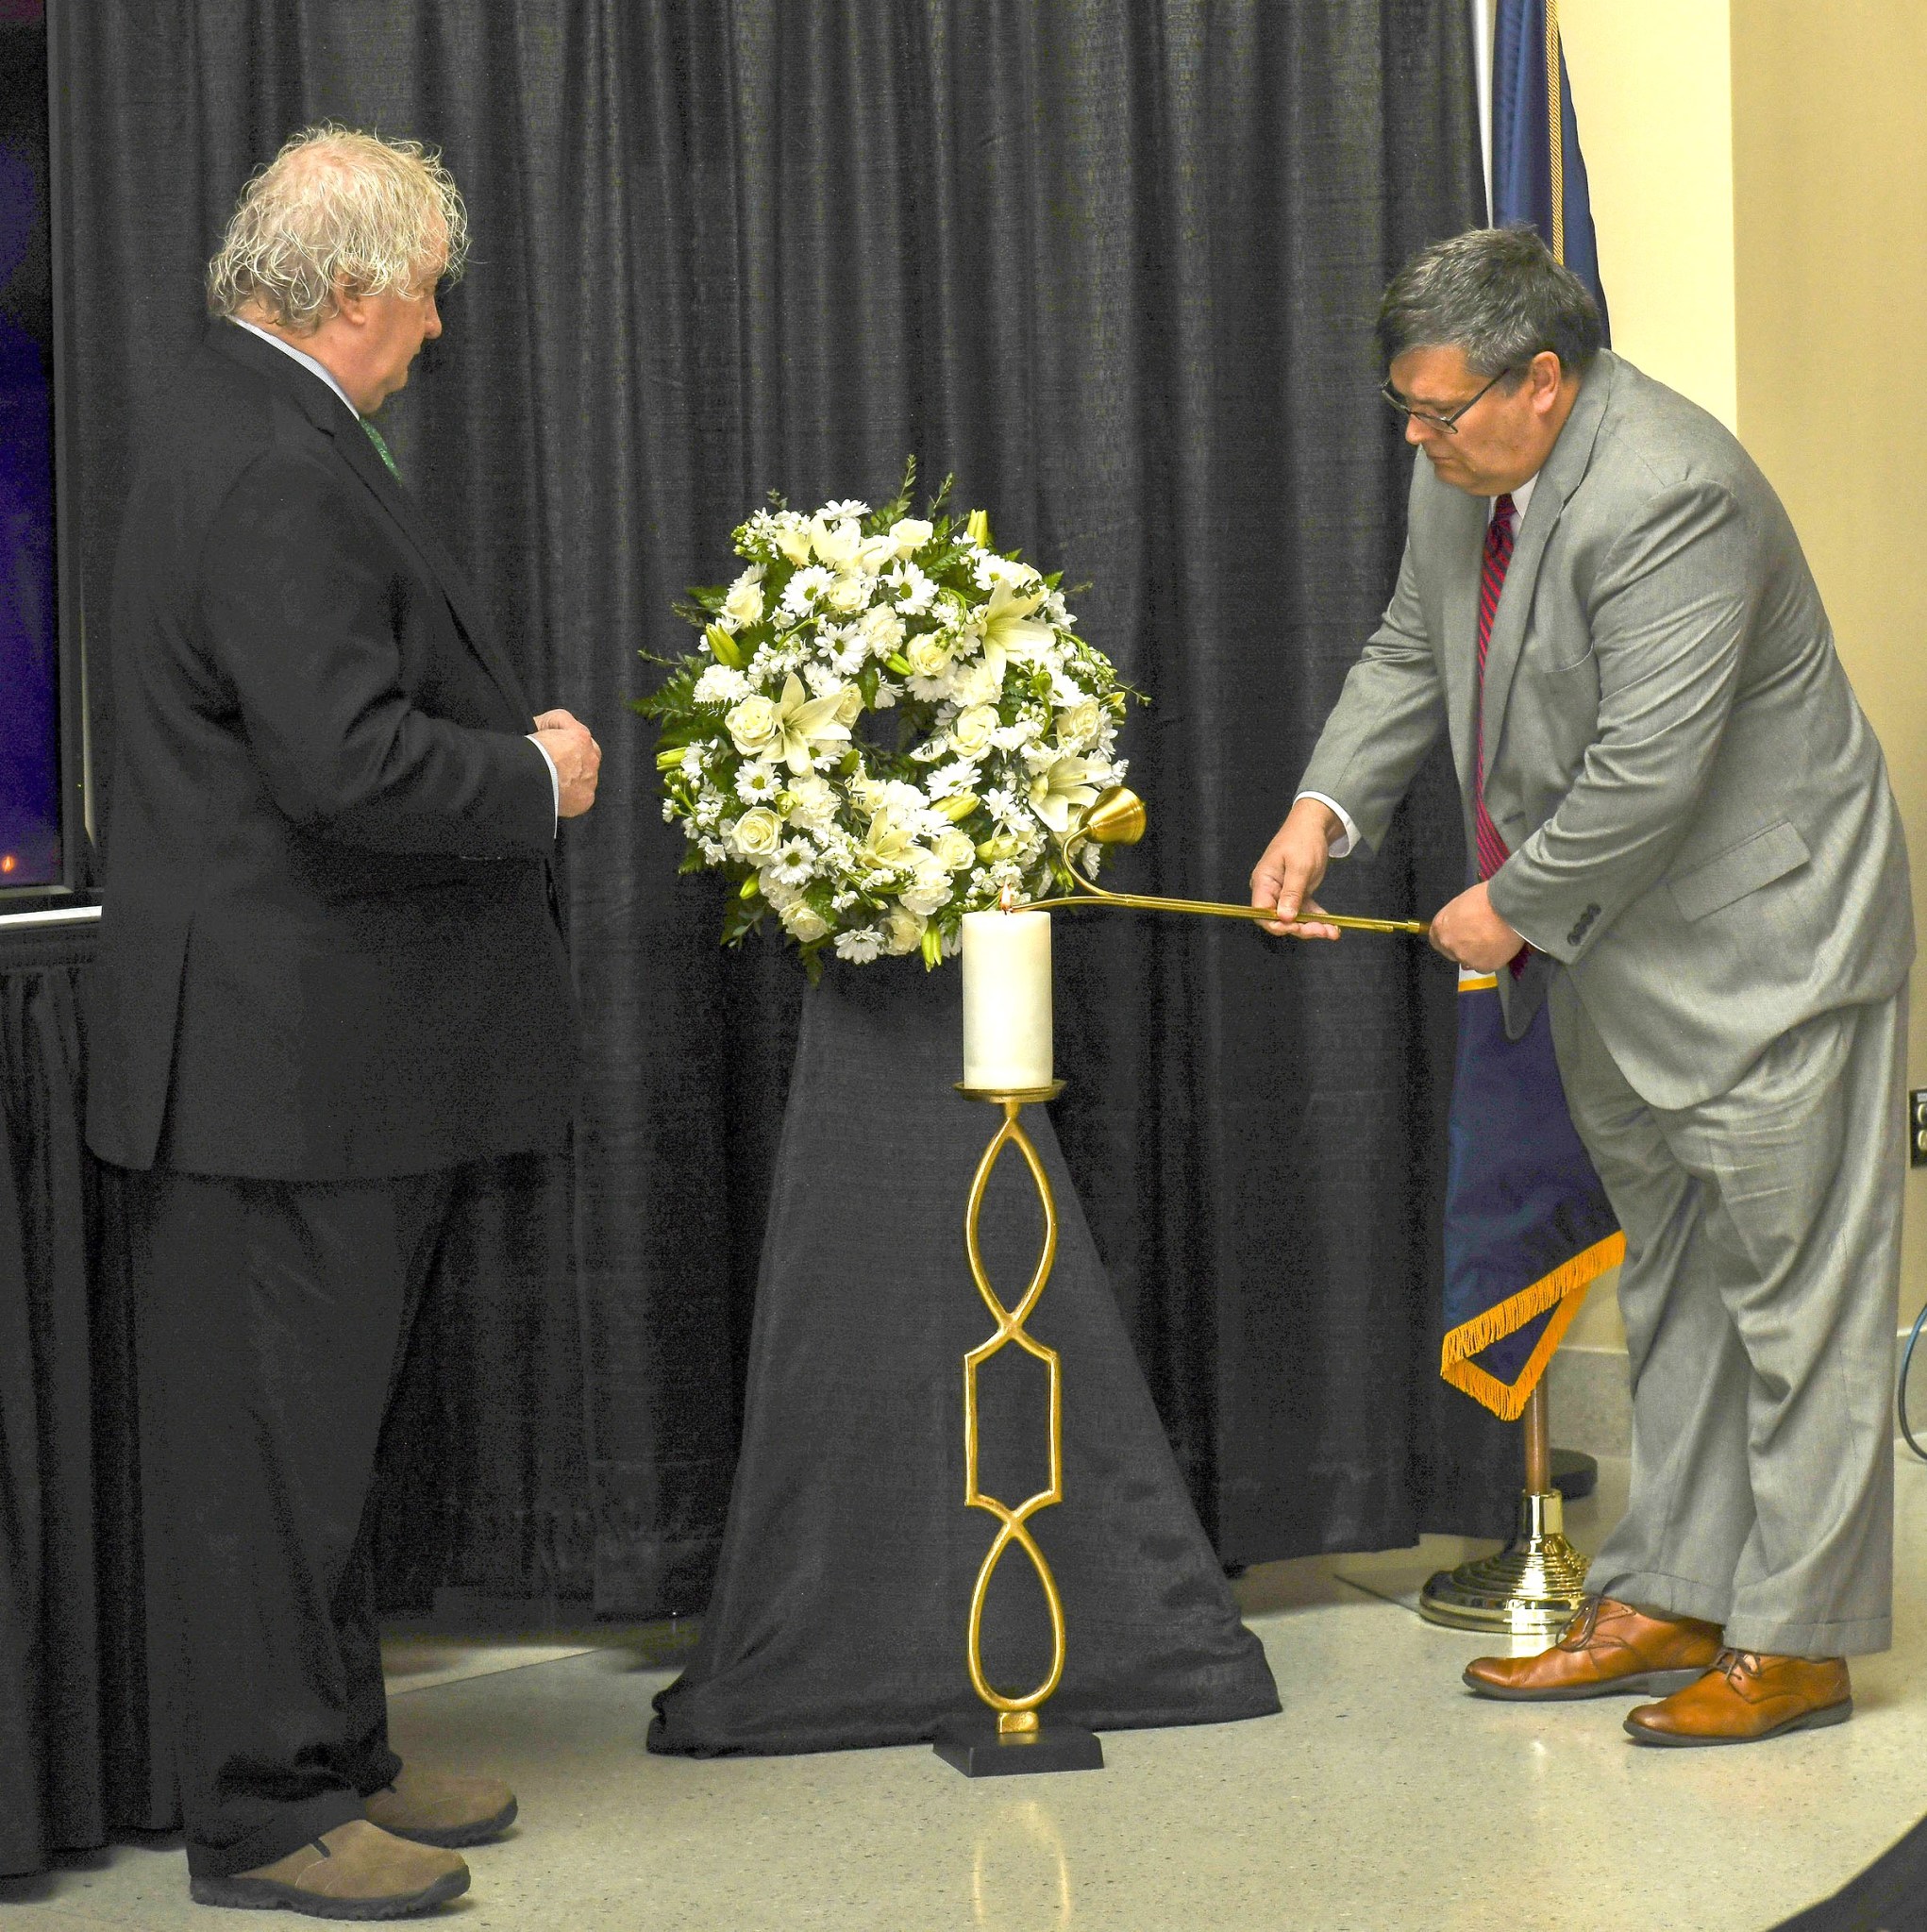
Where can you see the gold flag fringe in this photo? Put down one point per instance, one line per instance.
(1567, 1286)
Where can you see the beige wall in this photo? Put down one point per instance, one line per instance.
(1759, 180)
(1651, 84)
(1830, 198)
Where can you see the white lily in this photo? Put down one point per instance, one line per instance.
(1009, 626)
(803, 723)
(1060, 785)
(890, 844)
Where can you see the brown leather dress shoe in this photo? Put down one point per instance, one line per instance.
(353, 1871)
(1746, 1697)
(436, 1808)
(1607, 1650)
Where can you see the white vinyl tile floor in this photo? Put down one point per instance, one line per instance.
(1383, 1798)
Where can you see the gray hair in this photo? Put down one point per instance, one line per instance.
(1498, 295)
(338, 212)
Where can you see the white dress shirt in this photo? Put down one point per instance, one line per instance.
(326, 375)
(1340, 847)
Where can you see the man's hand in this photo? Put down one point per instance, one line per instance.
(577, 759)
(1292, 864)
(1469, 931)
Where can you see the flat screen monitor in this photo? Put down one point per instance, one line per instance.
(32, 845)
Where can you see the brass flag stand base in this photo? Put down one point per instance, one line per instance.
(1534, 1585)
(1010, 1739)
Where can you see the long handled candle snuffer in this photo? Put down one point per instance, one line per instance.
(1117, 818)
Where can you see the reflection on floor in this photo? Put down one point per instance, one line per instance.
(1383, 1799)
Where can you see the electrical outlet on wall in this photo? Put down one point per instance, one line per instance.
(1917, 1128)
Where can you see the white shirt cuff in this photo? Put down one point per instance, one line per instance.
(554, 781)
(1339, 847)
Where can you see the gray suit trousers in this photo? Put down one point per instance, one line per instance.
(1759, 1291)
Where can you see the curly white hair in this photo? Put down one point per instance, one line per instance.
(338, 211)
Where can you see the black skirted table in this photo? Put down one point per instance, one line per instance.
(839, 1611)
(75, 1763)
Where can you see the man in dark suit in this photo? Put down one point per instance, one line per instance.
(332, 980)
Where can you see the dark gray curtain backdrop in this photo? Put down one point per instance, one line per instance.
(1115, 263)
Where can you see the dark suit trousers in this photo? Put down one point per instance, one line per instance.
(273, 1318)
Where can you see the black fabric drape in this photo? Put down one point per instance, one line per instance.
(75, 1762)
(847, 1568)
(1114, 263)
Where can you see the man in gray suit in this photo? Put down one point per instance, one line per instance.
(1685, 844)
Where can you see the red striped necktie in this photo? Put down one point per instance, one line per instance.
(1492, 852)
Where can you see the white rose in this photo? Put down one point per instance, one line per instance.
(849, 594)
(902, 931)
(803, 921)
(835, 543)
(753, 725)
(850, 707)
(1078, 727)
(928, 655)
(758, 832)
(744, 605)
(873, 553)
(971, 732)
(953, 849)
(909, 533)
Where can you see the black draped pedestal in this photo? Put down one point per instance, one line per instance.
(839, 1613)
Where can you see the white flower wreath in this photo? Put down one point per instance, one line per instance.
(874, 834)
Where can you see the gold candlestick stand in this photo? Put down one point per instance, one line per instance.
(1012, 1740)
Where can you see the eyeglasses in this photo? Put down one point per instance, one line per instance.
(1450, 424)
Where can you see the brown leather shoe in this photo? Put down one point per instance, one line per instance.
(1608, 1649)
(353, 1871)
(435, 1807)
(1748, 1696)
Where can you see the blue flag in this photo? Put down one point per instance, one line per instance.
(1538, 174)
(1528, 1225)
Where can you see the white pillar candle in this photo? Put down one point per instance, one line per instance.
(1006, 1001)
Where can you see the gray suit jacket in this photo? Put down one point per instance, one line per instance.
(1702, 830)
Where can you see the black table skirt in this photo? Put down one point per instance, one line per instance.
(840, 1607)
(75, 1767)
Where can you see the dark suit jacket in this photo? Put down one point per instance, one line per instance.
(330, 949)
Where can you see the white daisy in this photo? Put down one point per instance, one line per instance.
(757, 783)
(793, 862)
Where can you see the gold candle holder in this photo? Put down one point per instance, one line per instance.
(1012, 1739)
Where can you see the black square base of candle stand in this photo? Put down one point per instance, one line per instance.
(978, 1750)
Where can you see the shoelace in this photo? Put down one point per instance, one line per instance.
(1579, 1632)
(1746, 1662)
